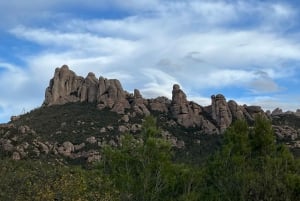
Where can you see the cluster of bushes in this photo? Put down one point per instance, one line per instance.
(249, 166)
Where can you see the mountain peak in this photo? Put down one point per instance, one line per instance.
(66, 87)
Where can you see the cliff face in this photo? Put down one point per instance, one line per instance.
(67, 87)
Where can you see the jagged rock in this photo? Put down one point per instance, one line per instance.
(89, 89)
(180, 108)
(63, 87)
(253, 111)
(66, 86)
(111, 94)
(138, 103)
(220, 112)
(208, 127)
(236, 110)
(179, 101)
(159, 104)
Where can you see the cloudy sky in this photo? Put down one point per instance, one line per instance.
(247, 50)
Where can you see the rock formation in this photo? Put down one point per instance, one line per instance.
(220, 112)
(72, 138)
(66, 87)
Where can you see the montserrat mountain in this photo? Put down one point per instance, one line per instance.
(67, 87)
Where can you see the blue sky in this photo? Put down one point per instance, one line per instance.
(247, 50)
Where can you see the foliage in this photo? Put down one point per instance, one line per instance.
(250, 165)
(141, 169)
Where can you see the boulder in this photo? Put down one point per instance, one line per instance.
(66, 149)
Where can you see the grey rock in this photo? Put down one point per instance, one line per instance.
(79, 146)
(221, 112)
(125, 118)
(123, 129)
(91, 140)
(16, 156)
(159, 104)
(277, 111)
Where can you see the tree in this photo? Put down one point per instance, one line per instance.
(137, 166)
(251, 166)
(142, 168)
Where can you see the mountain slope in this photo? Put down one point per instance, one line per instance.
(81, 115)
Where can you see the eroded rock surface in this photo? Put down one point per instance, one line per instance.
(66, 86)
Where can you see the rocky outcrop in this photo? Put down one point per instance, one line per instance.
(111, 94)
(286, 132)
(236, 110)
(89, 89)
(159, 104)
(186, 113)
(139, 104)
(220, 112)
(66, 86)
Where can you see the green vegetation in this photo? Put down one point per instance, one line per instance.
(248, 166)
(72, 122)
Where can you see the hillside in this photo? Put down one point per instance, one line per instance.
(81, 115)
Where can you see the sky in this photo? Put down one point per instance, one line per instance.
(247, 50)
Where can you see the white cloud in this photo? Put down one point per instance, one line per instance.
(198, 44)
(159, 83)
(272, 102)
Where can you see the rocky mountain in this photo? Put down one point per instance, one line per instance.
(66, 87)
(81, 115)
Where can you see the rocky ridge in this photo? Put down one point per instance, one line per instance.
(111, 112)
(67, 87)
